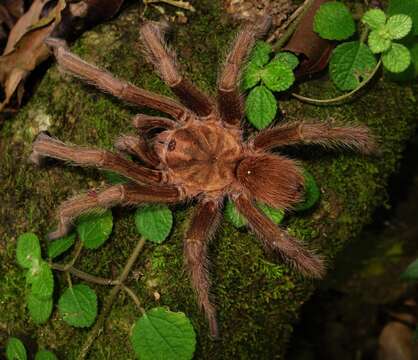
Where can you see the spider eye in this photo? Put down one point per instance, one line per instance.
(171, 145)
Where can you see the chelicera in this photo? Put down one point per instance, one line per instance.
(198, 153)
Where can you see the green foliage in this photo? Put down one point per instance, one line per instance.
(45, 355)
(275, 215)
(333, 21)
(277, 76)
(60, 246)
(350, 63)
(260, 54)
(40, 309)
(398, 26)
(15, 350)
(411, 272)
(161, 334)
(312, 192)
(114, 178)
(374, 18)
(291, 60)
(95, 229)
(397, 59)
(28, 249)
(78, 306)
(260, 107)
(377, 43)
(41, 280)
(154, 222)
(407, 7)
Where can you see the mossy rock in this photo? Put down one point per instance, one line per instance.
(258, 296)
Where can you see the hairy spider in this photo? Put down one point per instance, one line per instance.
(198, 153)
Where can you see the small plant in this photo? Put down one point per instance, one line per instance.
(15, 350)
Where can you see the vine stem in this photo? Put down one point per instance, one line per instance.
(342, 97)
(108, 302)
(83, 275)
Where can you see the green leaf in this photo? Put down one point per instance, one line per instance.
(407, 7)
(15, 350)
(350, 63)
(377, 43)
(411, 272)
(40, 309)
(251, 76)
(233, 216)
(78, 306)
(113, 178)
(161, 334)
(397, 58)
(60, 246)
(287, 58)
(312, 193)
(27, 249)
(375, 18)
(333, 21)
(260, 54)
(275, 215)
(399, 26)
(41, 279)
(95, 229)
(260, 107)
(45, 355)
(154, 222)
(277, 76)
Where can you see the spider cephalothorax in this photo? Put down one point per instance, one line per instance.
(198, 154)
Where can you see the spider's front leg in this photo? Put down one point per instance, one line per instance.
(137, 146)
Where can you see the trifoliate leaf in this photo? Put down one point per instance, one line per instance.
(407, 7)
(411, 272)
(260, 107)
(288, 58)
(78, 306)
(95, 229)
(45, 355)
(15, 350)
(350, 63)
(60, 246)
(40, 309)
(233, 216)
(27, 249)
(277, 76)
(41, 279)
(161, 334)
(333, 21)
(397, 58)
(312, 192)
(399, 26)
(154, 222)
(275, 215)
(377, 43)
(375, 18)
(251, 76)
(260, 54)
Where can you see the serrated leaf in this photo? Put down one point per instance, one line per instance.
(260, 107)
(154, 222)
(277, 76)
(28, 249)
(407, 7)
(45, 355)
(60, 246)
(275, 215)
(233, 216)
(161, 334)
(288, 58)
(260, 54)
(311, 193)
(40, 309)
(377, 43)
(411, 272)
(251, 76)
(78, 306)
(15, 350)
(333, 21)
(41, 279)
(95, 229)
(399, 26)
(350, 63)
(375, 18)
(397, 58)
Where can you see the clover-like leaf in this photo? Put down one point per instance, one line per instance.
(288, 58)
(45, 355)
(277, 76)
(78, 306)
(377, 43)
(407, 7)
(260, 54)
(398, 26)
(375, 18)
(95, 229)
(60, 246)
(154, 222)
(41, 279)
(397, 58)
(312, 193)
(40, 309)
(333, 21)
(15, 350)
(161, 334)
(251, 76)
(233, 216)
(28, 249)
(260, 107)
(350, 63)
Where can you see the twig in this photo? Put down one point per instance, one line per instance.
(83, 275)
(134, 298)
(177, 3)
(75, 257)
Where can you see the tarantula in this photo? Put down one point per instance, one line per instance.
(198, 153)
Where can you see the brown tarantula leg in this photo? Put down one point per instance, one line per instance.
(352, 137)
(202, 228)
(164, 60)
(229, 97)
(106, 82)
(138, 147)
(114, 195)
(46, 146)
(146, 123)
(279, 241)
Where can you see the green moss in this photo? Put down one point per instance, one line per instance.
(258, 297)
